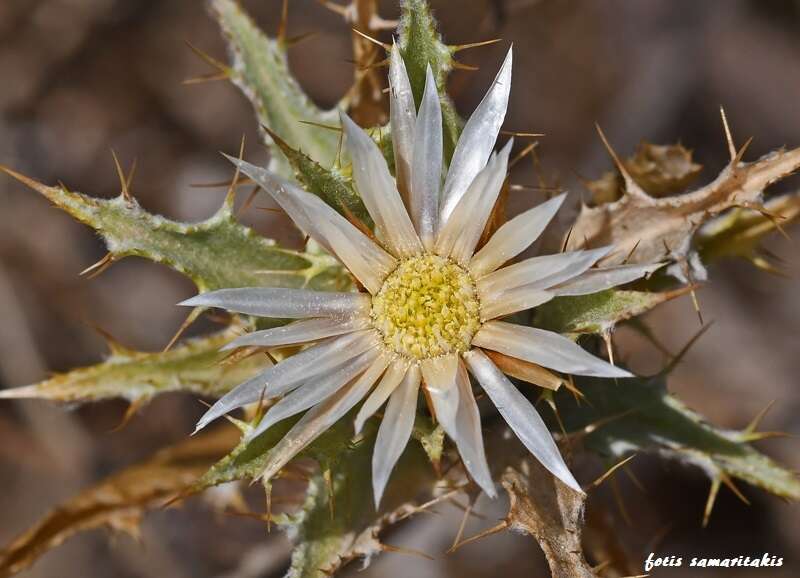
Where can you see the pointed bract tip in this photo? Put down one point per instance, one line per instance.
(197, 300)
(22, 392)
(506, 150)
(508, 60)
(348, 123)
(235, 160)
(203, 422)
(378, 488)
(623, 373)
(600, 252)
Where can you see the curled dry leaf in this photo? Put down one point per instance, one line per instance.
(118, 502)
(660, 170)
(644, 229)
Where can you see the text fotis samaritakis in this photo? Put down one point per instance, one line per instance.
(766, 560)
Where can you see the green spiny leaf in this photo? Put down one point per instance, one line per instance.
(195, 366)
(740, 232)
(216, 253)
(632, 415)
(421, 44)
(430, 436)
(330, 185)
(598, 312)
(246, 461)
(338, 521)
(260, 69)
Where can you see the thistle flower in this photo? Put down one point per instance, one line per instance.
(431, 304)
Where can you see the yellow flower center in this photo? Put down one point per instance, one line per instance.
(428, 306)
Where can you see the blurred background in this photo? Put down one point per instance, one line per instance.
(80, 77)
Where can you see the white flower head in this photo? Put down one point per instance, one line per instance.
(431, 304)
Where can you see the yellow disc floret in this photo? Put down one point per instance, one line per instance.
(427, 307)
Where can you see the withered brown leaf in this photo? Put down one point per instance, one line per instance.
(660, 170)
(543, 507)
(118, 502)
(644, 229)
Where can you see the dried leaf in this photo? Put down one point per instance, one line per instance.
(644, 229)
(660, 170)
(119, 501)
(607, 188)
(194, 366)
(543, 507)
(366, 100)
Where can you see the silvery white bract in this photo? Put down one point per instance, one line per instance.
(431, 304)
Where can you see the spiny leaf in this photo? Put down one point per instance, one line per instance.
(194, 366)
(740, 232)
(333, 528)
(260, 69)
(118, 502)
(215, 253)
(644, 229)
(640, 415)
(430, 436)
(421, 44)
(246, 461)
(338, 522)
(328, 184)
(660, 170)
(598, 312)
